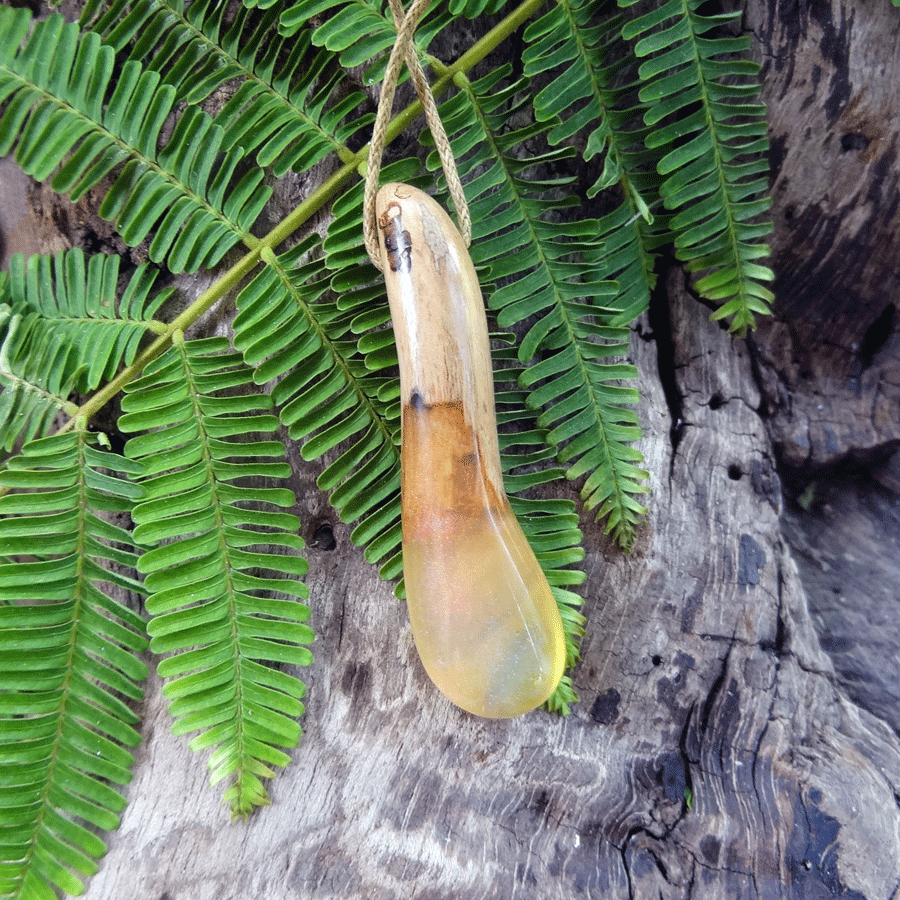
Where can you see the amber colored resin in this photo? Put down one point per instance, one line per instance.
(485, 623)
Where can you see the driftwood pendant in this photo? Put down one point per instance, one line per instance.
(485, 623)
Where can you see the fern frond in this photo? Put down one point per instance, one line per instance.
(551, 525)
(37, 374)
(712, 143)
(590, 99)
(76, 300)
(65, 113)
(69, 661)
(358, 31)
(586, 413)
(212, 576)
(292, 106)
(571, 40)
(291, 329)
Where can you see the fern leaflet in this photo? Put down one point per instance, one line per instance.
(76, 300)
(219, 559)
(359, 32)
(69, 661)
(37, 375)
(65, 114)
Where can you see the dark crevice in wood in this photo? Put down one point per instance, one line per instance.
(777, 646)
(625, 866)
(683, 748)
(753, 353)
(341, 624)
(634, 832)
(323, 537)
(806, 485)
(689, 892)
(698, 298)
(659, 317)
(854, 142)
(709, 702)
(874, 339)
(661, 866)
(780, 631)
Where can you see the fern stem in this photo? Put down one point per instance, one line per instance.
(294, 220)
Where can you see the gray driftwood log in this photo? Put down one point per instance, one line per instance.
(713, 754)
(737, 735)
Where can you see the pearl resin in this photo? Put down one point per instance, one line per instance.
(484, 621)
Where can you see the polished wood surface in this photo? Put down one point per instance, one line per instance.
(485, 623)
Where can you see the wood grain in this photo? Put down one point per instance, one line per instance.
(712, 754)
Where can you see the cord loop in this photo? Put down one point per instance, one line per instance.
(404, 49)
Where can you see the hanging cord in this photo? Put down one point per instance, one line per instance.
(404, 48)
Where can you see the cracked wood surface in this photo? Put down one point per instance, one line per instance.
(830, 360)
(712, 754)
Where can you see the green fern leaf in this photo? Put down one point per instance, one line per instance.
(359, 31)
(586, 412)
(76, 300)
(712, 157)
(292, 106)
(212, 578)
(69, 661)
(37, 374)
(290, 330)
(65, 114)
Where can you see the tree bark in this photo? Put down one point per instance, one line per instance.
(737, 735)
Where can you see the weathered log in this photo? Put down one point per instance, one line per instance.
(830, 361)
(712, 754)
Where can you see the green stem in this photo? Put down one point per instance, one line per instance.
(284, 229)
